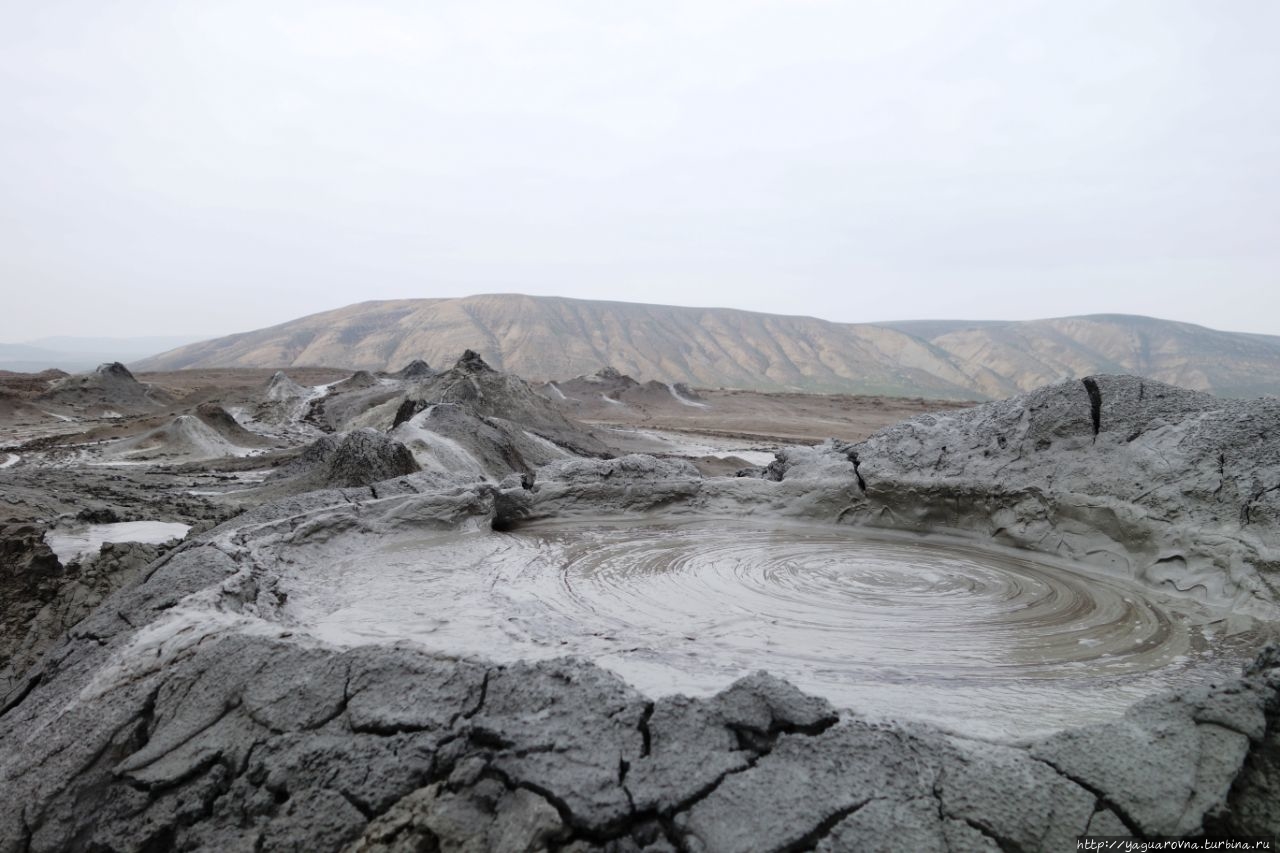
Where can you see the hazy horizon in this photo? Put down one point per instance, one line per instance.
(195, 170)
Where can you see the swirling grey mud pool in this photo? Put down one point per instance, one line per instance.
(989, 643)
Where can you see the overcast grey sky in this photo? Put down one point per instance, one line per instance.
(210, 167)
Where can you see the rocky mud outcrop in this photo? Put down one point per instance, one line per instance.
(43, 598)
(356, 458)
(40, 596)
(346, 405)
(451, 438)
(489, 394)
(31, 574)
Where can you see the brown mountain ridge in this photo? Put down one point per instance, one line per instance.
(544, 338)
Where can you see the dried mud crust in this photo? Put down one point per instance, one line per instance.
(256, 743)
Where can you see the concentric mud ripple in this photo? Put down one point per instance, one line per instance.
(985, 642)
(822, 600)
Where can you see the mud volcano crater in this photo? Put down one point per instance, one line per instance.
(985, 641)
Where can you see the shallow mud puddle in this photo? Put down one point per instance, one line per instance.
(983, 642)
(634, 440)
(69, 544)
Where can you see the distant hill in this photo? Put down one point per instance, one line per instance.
(544, 338)
(550, 338)
(1005, 358)
(76, 354)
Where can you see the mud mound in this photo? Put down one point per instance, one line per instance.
(116, 371)
(109, 388)
(344, 406)
(610, 377)
(357, 458)
(609, 393)
(221, 421)
(683, 392)
(607, 382)
(186, 438)
(416, 369)
(487, 393)
(281, 388)
(448, 438)
(358, 381)
(660, 395)
(283, 403)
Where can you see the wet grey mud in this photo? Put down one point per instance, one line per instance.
(981, 641)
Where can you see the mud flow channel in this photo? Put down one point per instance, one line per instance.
(987, 643)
